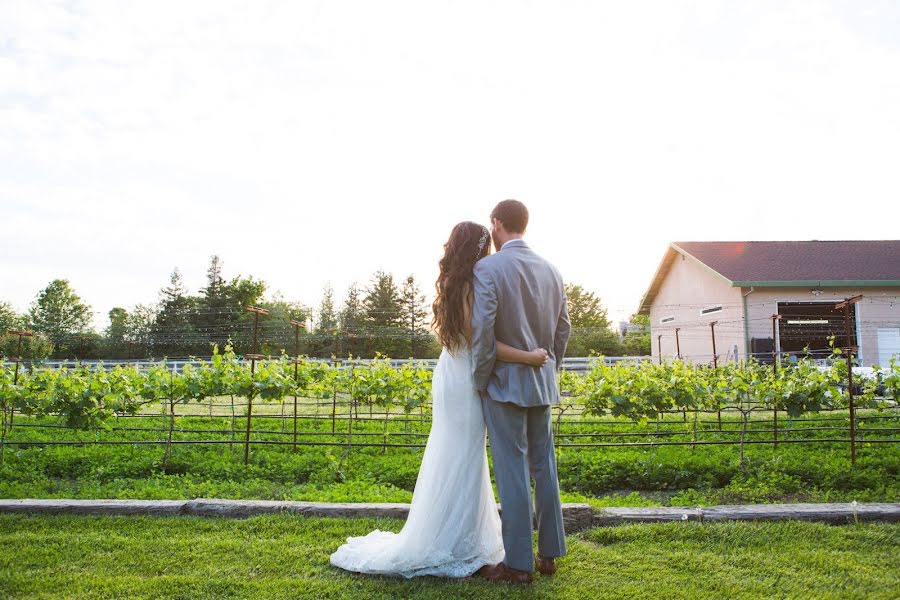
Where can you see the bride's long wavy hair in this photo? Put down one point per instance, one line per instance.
(461, 252)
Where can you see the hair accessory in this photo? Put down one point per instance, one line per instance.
(483, 240)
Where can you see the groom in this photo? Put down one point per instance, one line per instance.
(520, 300)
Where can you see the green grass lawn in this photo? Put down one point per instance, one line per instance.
(284, 556)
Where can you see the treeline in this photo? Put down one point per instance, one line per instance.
(386, 317)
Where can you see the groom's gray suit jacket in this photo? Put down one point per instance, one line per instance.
(520, 301)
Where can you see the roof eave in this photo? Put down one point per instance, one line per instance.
(848, 283)
(665, 263)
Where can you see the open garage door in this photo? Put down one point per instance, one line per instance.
(808, 325)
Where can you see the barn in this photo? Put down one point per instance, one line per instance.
(754, 298)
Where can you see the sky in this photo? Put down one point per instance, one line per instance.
(314, 142)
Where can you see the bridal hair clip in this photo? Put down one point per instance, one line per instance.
(482, 241)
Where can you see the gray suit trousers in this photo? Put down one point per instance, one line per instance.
(522, 449)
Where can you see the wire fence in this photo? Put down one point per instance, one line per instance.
(571, 428)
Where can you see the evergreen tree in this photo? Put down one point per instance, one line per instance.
(352, 316)
(172, 330)
(215, 284)
(327, 322)
(223, 313)
(416, 314)
(352, 322)
(383, 304)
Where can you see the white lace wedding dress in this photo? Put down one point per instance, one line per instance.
(453, 528)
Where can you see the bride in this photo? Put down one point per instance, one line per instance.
(453, 528)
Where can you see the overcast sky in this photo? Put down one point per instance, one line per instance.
(307, 142)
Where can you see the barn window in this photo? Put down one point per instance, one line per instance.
(711, 310)
(667, 319)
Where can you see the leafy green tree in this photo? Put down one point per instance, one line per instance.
(59, 313)
(276, 332)
(637, 343)
(587, 342)
(32, 348)
(35, 347)
(585, 309)
(9, 319)
(591, 333)
(139, 333)
(115, 333)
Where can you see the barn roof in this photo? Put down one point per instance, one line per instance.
(789, 264)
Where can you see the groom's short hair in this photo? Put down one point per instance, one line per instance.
(512, 214)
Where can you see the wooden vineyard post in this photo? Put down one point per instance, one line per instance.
(253, 356)
(775, 358)
(335, 364)
(21, 333)
(659, 347)
(712, 331)
(297, 325)
(849, 349)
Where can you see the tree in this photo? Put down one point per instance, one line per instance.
(352, 315)
(590, 325)
(416, 313)
(9, 319)
(276, 332)
(585, 309)
(637, 343)
(35, 347)
(172, 329)
(351, 321)
(141, 321)
(382, 304)
(116, 332)
(59, 314)
(215, 283)
(9, 343)
(327, 318)
(384, 317)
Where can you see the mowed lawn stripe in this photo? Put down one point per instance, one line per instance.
(284, 556)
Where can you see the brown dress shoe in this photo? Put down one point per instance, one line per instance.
(486, 570)
(546, 566)
(505, 574)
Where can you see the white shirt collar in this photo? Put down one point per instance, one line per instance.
(508, 241)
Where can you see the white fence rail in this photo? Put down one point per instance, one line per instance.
(575, 364)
